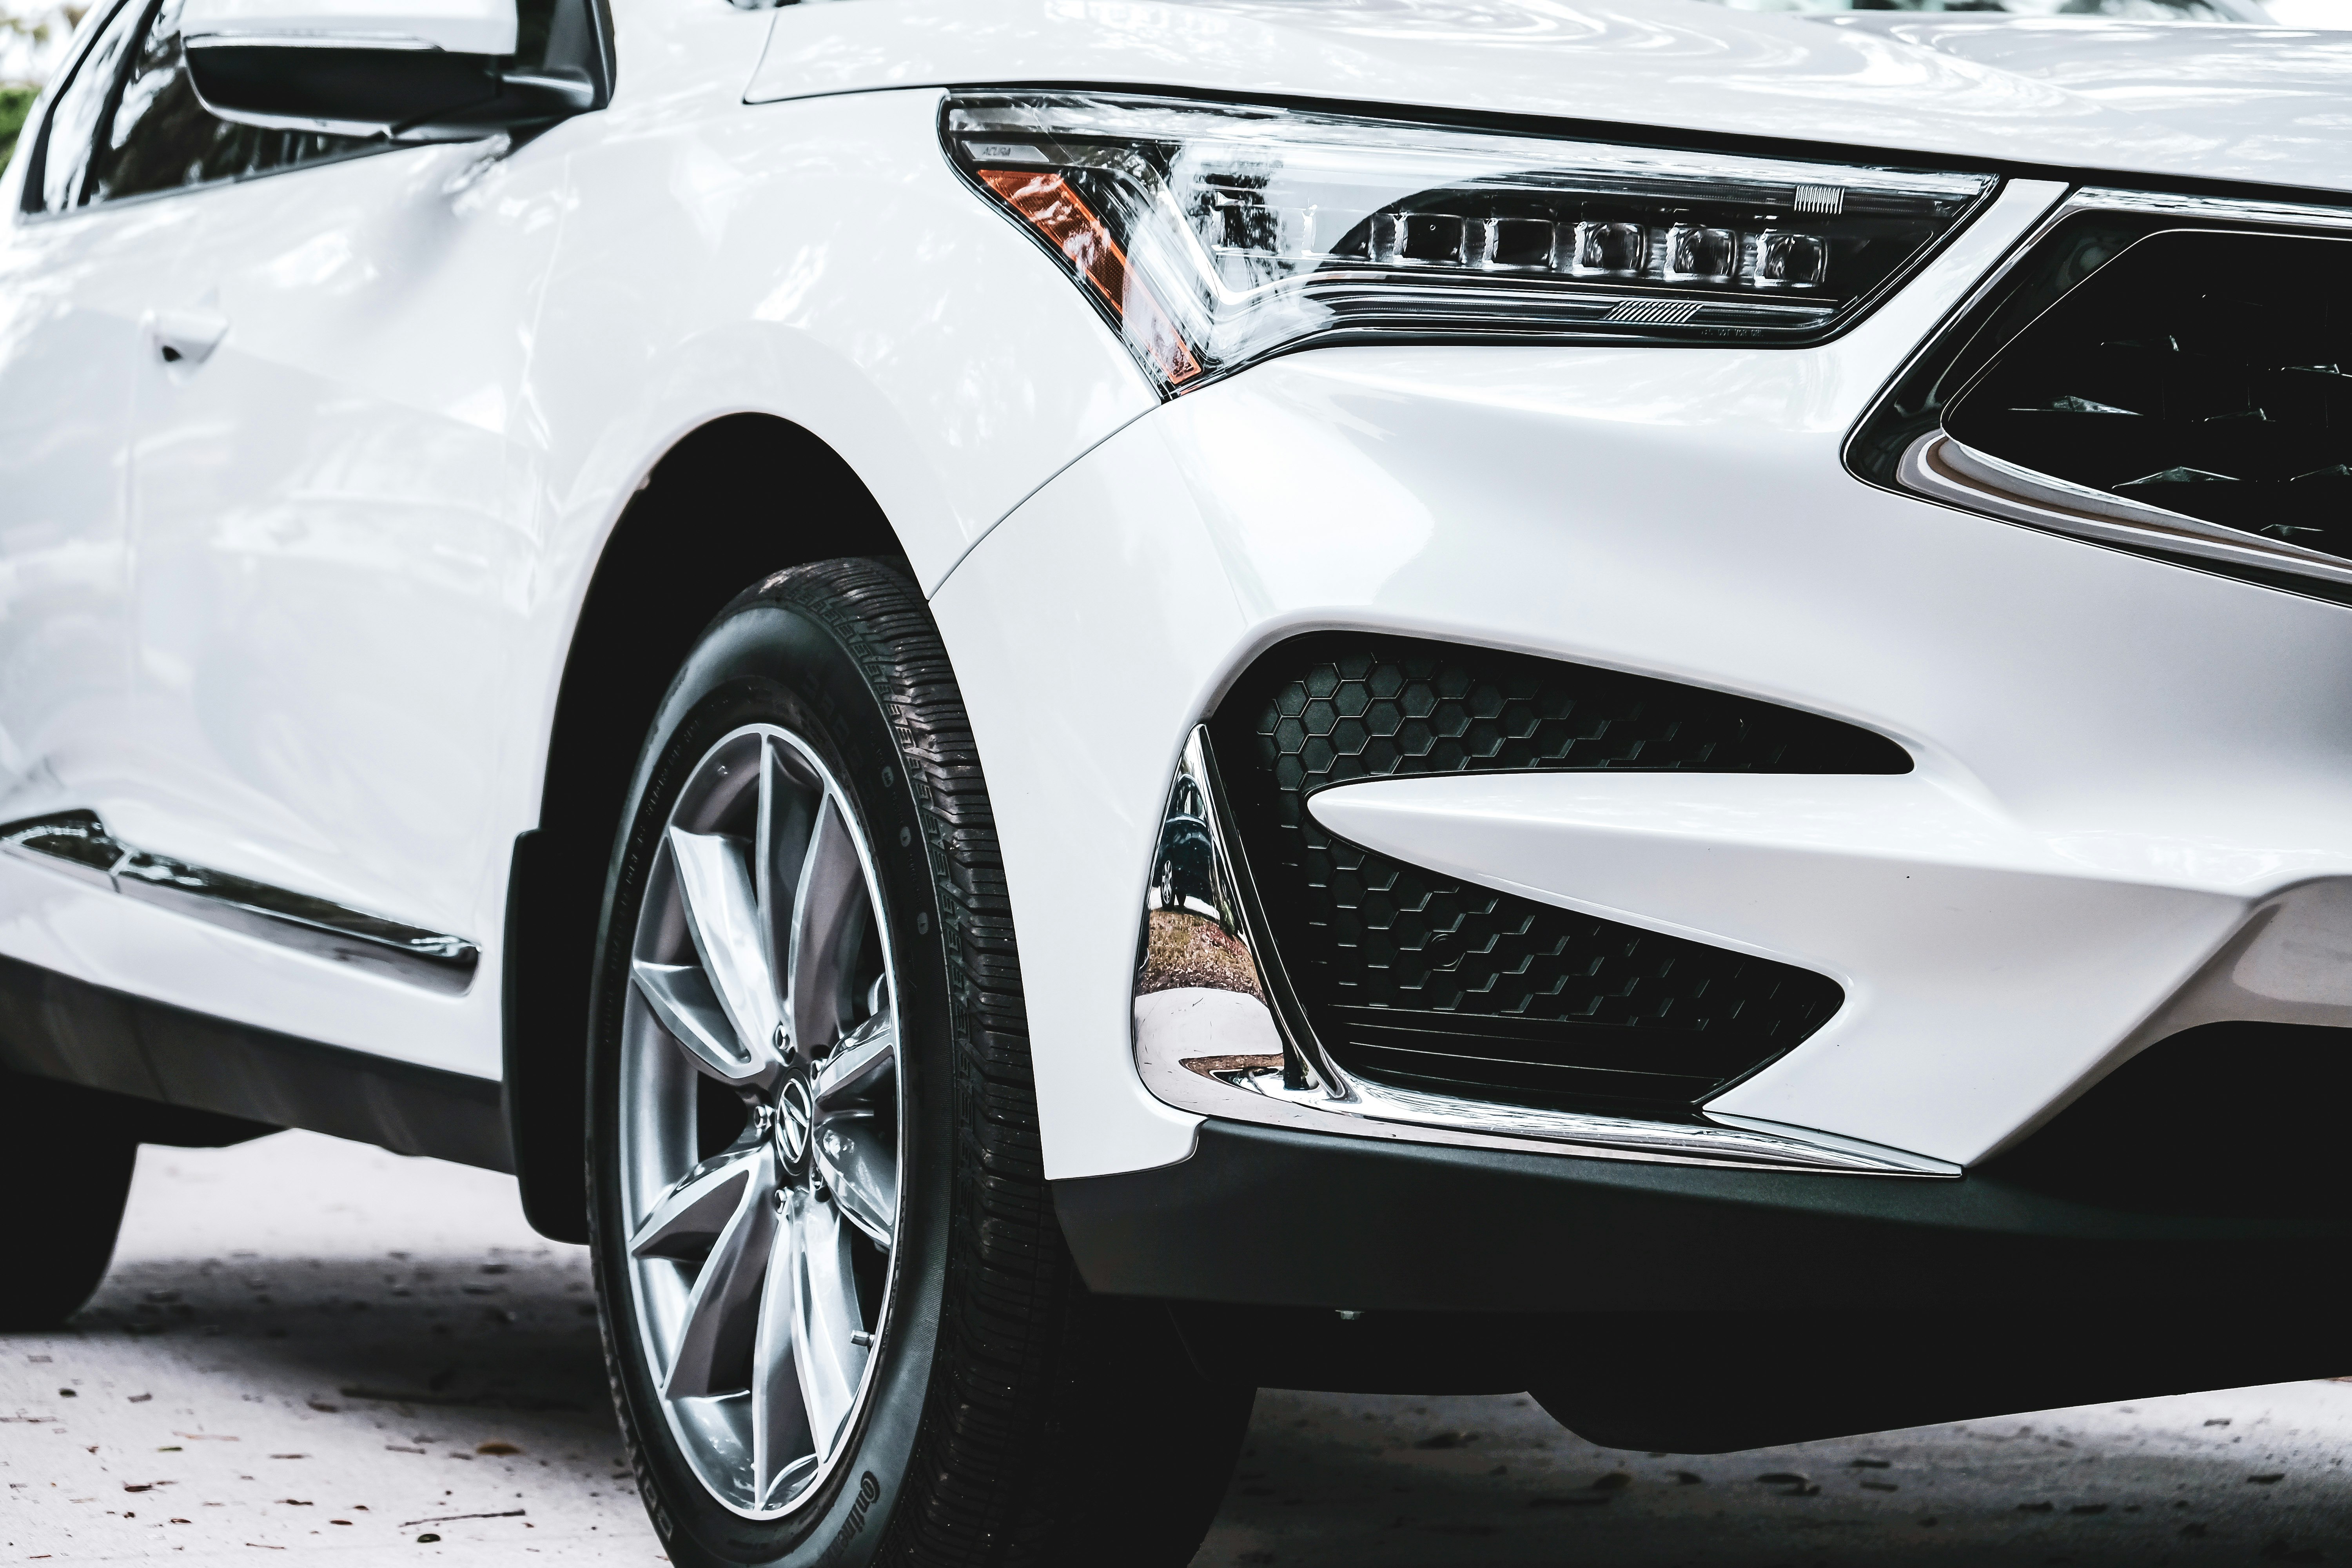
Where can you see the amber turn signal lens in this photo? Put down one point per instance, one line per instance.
(1070, 227)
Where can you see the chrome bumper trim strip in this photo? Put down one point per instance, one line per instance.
(77, 843)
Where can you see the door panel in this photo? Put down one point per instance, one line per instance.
(74, 284)
(333, 534)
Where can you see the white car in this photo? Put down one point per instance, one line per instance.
(1662, 697)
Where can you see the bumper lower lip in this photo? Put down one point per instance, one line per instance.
(1274, 1217)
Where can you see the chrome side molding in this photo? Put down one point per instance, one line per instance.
(1219, 1031)
(77, 843)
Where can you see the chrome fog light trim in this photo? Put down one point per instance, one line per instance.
(1218, 1032)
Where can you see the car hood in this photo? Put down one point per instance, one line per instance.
(2133, 101)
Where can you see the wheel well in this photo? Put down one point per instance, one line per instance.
(738, 498)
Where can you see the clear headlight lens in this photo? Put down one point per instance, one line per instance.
(1214, 235)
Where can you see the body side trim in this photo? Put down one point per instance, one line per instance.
(78, 842)
(53, 1026)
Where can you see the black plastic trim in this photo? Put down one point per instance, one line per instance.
(547, 974)
(53, 1026)
(1393, 972)
(1711, 1383)
(1264, 1216)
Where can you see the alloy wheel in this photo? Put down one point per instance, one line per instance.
(760, 1128)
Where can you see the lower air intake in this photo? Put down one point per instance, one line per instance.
(1411, 978)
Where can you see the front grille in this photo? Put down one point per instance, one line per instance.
(2181, 376)
(2189, 359)
(1414, 978)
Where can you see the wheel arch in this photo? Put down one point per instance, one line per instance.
(731, 500)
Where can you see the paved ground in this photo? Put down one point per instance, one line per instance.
(308, 1346)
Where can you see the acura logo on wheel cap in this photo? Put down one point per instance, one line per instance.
(793, 1114)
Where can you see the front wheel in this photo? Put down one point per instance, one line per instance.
(839, 1318)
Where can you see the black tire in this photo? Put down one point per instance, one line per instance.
(72, 1162)
(1012, 1418)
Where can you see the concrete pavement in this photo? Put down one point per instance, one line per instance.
(309, 1347)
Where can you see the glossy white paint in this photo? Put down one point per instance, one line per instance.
(73, 295)
(1682, 512)
(1675, 64)
(820, 261)
(297, 606)
(298, 609)
(2272, 95)
(328, 544)
(71, 344)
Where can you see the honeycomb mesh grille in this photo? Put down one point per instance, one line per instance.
(1412, 977)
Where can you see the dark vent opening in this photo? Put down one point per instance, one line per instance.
(2278, 358)
(2181, 376)
(1417, 979)
(2203, 1123)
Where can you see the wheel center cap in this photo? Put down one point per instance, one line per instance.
(796, 1114)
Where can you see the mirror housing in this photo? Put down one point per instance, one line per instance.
(413, 70)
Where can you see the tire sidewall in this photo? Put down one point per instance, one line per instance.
(771, 660)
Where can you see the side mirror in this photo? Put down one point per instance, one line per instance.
(415, 70)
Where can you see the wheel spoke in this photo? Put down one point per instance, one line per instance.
(779, 845)
(716, 1338)
(862, 1170)
(779, 1423)
(690, 1219)
(863, 1063)
(722, 914)
(832, 891)
(760, 955)
(681, 998)
(824, 1315)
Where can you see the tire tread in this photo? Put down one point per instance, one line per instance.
(1007, 1313)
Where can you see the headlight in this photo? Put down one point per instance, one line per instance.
(1214, 235)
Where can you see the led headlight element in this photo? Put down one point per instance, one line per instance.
(1214, 235)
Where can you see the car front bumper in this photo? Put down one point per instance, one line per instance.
(2130, 809)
